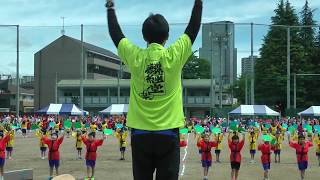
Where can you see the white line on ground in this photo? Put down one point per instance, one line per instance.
(184, 157)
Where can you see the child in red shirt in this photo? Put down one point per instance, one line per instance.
(3, 141)
(235, 146)
(265, 149)
(53, 155)
(206, 158)
(302, 148)
(91, 155)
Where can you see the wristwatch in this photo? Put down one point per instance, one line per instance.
(109, 4)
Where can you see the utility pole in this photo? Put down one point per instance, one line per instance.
(81, 69)
(212, 83)
(18, 77)
(252, 67)
(220, 71)
(288, 67)
(63, 30)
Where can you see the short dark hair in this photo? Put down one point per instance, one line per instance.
(155, 29)
(301, 136)
(93, 134)
(235, 137)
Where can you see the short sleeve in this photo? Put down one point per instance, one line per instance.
(84, 140)
(293, 145)
(181, 49)
(99, 142)
(127, 51)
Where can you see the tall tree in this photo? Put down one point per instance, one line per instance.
(196, 68)
(307, 34)
(271, 68)
(308, 42)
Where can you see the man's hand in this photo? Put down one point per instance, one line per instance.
(109, 4)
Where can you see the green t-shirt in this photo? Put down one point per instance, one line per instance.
(156, 92)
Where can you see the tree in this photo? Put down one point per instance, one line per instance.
(196, 68)
(271, 70)
(308, 42)
(307, 34)
(239, 89)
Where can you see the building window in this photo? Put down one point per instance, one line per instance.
(98, 56)
(67, 94)
(92, 68)
(93, 94)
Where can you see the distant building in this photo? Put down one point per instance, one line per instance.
(100, 94)
(218, 47)
(8, 100)
(246, 66)
(61, 59)
(218, 35)
(26, 82)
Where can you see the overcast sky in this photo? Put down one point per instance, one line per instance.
(41, 22)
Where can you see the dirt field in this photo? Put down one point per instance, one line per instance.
(27, 155)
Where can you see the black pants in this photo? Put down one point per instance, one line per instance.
(158, 152)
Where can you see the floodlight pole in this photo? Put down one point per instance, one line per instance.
(17, 78)
(288, 67)
(252, 67)
(81, 70)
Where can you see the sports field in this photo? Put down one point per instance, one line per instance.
(27, 155)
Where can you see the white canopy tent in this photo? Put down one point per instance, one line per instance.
(311, 111)
(116, 109)
(254, 110)
(67, 109)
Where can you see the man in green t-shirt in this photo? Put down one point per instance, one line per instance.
(155, 109)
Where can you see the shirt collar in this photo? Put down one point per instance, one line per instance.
(155, 46)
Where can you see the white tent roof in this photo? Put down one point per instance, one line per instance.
(116, 109)
(250, 110)
(69, 109)
(311, 111)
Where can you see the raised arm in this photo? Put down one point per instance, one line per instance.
(113, 25)
(193, 27)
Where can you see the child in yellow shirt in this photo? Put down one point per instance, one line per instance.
(43, 147)
(277, 147)
(24, 128)
(77, 135)
(218, 138)
(316, 140)
(252, 139)
(10, 143)
(122, 134)
(93, 127)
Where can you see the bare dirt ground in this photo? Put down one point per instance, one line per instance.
(27, 155)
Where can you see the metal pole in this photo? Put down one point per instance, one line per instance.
(56, 90)
(220, 72)
(252, 67)
(246, 89)
(212, 84)
(294, 91)
(288, 67)
(81, 69)
(118, 98)
(18, 78)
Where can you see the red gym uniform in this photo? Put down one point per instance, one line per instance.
(92, 147)
(53, 146)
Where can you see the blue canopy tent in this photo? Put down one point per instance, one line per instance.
(59, 109)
